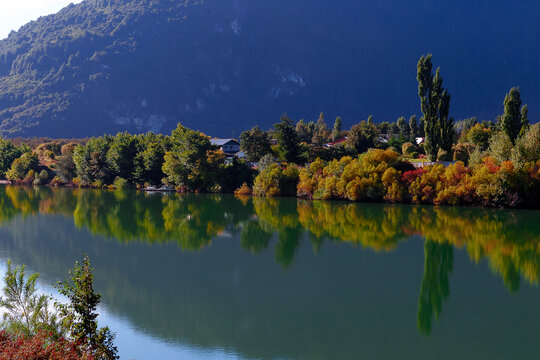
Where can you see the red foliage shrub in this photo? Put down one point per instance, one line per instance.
(409, 176)
(39, 347)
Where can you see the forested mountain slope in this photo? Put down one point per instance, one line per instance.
(225, 65)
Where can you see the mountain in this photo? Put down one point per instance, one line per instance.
(222, 66)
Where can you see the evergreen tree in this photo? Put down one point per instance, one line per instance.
(121, 155)
(413, 128)
(511, 119)
(8, 154)
(289, 146)
(304, 131)
(384, 127)
(337, 128)
(403, 127)
(255, 143)
(82, 312)
(393, 129)
(362, 136)
(150, 156)
(435, 104)
(321, 129)
(187, 157)
(321, 124)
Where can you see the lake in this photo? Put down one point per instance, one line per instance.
(219, 277)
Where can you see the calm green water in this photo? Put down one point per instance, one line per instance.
(216, 277)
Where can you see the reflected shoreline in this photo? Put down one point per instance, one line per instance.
(277, 229)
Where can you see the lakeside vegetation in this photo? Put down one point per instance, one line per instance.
(34, 327)
(496, 163)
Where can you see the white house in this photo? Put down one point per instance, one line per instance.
(228, 146)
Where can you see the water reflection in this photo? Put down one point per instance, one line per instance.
(507, 240)
(435, 288)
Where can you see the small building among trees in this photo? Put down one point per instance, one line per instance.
(228, 146)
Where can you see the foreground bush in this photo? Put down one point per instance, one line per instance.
(31, 330)
(39, 347)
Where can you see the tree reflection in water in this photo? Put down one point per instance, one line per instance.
(508, 239)
(435, 288)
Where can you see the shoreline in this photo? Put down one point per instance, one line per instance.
(73, 187)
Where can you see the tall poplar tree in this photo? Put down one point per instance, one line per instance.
(524, 120)
(435, 104)
(337, 128)
(511, 119)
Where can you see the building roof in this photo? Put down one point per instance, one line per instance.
(337, 142)
(221, 142)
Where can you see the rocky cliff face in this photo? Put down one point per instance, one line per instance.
(222, 66)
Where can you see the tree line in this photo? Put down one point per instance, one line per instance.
(187, 160)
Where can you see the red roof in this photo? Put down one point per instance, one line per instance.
(337, 142)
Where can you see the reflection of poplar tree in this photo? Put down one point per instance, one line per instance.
(435, 286)
(254, 238)
(288, 245)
